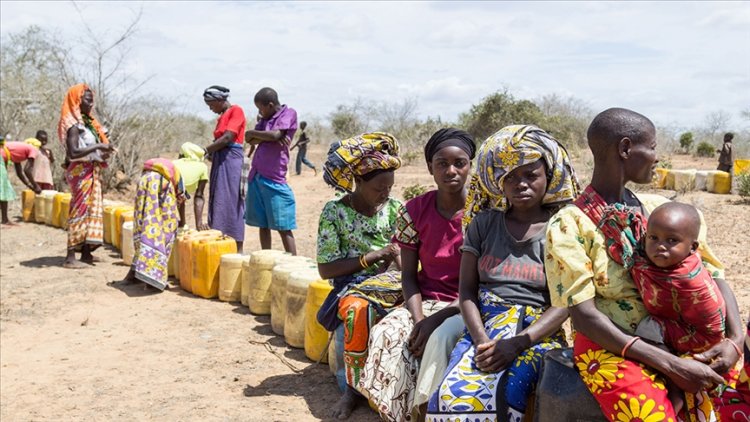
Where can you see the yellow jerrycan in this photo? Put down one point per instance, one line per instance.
(40, 208)
(701, 178)
(57, 208)
(49, 199)
(660, 178)
(117, 224)
(65, 212)
(173, 266)
(109, 222)
(684, 180)
(27, 203)
(721, 183)
(230, 277)
(296, 296)
(259, 277)
(316, 337)
(186, 255)
(741, 166)
(127, 243)
(245, 281)
(279, 278)
(206, 263)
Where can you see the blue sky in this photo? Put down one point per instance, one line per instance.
(673, 61)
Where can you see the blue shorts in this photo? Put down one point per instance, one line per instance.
(270, 205)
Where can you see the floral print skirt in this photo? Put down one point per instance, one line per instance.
(155, 223)
(469, 394)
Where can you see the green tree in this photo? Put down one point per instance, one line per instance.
(497, 111)
(686, 141)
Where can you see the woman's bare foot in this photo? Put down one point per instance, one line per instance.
(346, 404)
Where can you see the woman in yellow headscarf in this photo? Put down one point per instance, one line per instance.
(522, 175)
(87, 149)
(355, 250)
(195, 177)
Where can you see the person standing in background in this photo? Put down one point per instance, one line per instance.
(43, 162)
(726, 159)
(226, 204)
(301, 144)
(270, 201)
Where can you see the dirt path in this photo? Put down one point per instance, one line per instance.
(78, 345)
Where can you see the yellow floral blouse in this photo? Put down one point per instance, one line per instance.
(578, 267)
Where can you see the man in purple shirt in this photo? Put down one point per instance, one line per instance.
(270, 202)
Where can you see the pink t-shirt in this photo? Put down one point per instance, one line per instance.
(19, 151)
(420, 227)
(271, 158)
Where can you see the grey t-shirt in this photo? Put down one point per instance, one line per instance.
(512, 269)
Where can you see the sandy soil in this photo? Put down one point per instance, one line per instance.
(78, 345)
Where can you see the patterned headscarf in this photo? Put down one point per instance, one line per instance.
(512, 147)
(192, 151)
(70, 115)
(168, 170)
(358, 156)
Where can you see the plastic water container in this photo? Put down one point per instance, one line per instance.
(719, 182)
(27, 204)
(701, 177)
(316, 337)
(296, 296)
(48, 201)
(279, 278)
(660, 178)
(173, 265)
(121, 215)
(109, 222)
(669, 181)
(741, 166)
(65, 212)
(684, 180)
(207, 255)
(245, 282)
(259, 280)
(230, 277)
(186, 256)
(57, 205)
(127, 243)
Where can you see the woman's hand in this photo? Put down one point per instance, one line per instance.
(693, 376)
(495, 355)
(721, 357)
(421, 333)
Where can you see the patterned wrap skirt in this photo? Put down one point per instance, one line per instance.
(85, 219)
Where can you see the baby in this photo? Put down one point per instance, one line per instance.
(687, 310)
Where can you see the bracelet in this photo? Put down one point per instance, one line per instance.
(363, 261)
(628, 344)
(736, 347)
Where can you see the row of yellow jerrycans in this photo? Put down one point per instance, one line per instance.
(50, 207)
(714, 181)
(115, 216)
(272, 282)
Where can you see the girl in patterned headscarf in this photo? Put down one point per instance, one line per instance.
(355, 250)
(520, 172)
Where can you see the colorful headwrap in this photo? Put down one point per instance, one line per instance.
(36, 143)
(358, 156)
(70, 115)
(168, 170)
(449, 137)
(192, 151)
(512, 147)
(215, 93)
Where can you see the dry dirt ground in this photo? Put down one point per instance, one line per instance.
(77, 345)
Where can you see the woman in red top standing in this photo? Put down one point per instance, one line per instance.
(226, 204)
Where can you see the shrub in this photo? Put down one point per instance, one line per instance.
(686, 141)
(704, 149)
(743, 185)
(412, 191)
(665, 163)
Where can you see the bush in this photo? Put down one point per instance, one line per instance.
(686, 141)
(704, 149)
(664, 163)
(412, 191)
(743, 185)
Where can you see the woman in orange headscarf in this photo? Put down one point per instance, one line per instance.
(87, 150)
